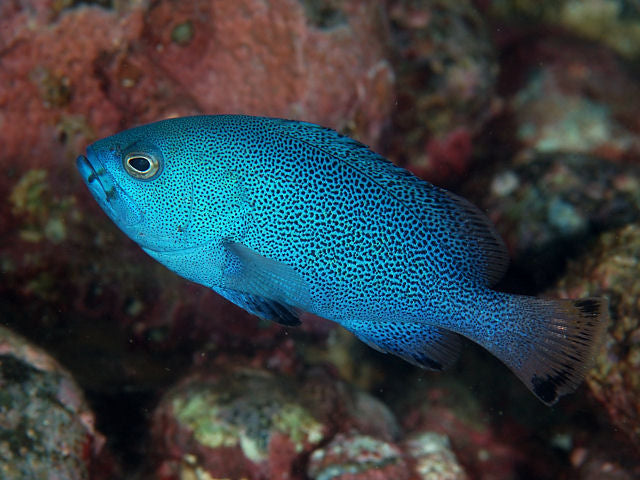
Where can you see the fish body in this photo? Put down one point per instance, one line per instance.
(282, 217)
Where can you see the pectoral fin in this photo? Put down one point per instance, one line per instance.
(263, 286)
(264, 308)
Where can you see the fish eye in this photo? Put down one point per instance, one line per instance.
(140, 165)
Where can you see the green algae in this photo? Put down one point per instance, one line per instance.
(434, 458)
(40, 212)
(182, 33)
(247, 419)
(200, 412)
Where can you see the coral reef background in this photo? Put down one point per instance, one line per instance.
(527, 108)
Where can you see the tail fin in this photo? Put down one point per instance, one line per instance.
(563, 339)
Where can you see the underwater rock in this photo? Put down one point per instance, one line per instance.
(615, 23)
(46, 427)
(52, 102)
(352, 456)
(239, 422)
(433, 457)
(612, 267)
(547, 207)
(496, 429)
(441, 416)
(573, 97)
(446, 70)
(68, 293)
(593, 465)
(323, 62)
(358, 457)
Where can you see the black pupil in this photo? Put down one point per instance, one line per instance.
(140, 164)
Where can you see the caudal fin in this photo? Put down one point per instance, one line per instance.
(562, 338)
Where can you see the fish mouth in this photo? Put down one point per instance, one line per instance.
(93, 181)
(104, 189)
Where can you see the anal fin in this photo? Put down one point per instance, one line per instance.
(425, 346)
(263, 286)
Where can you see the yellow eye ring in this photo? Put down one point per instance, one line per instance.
(141, 165)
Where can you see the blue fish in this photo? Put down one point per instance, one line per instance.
(283, 217)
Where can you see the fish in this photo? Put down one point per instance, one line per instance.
(283, 217)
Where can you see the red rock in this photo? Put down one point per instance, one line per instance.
(593, 465)
(484, 447)
(106, 70)
(447, 157)
(40, 57)
(279, 59)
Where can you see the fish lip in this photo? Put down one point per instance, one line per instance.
(91, 176)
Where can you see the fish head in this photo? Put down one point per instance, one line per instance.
(143, 180)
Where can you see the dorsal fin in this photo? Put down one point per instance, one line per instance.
(470, 239)
(475, 227)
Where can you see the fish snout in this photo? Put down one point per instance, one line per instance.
(92, 179)
(85, 168)
(105, 190)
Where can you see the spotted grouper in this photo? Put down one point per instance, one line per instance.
(283, 217)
